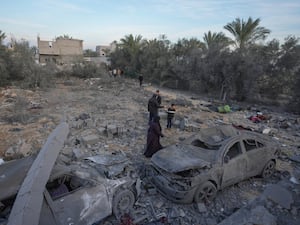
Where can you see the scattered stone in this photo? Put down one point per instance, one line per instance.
(90, 139)
(10, 151)
(294, 211)
(159, 203)
(112, 129)
(181, 213)
(152, 191)
(25, 149)
(202, 208)
(79, 124)
(103, 116)
(77, 153)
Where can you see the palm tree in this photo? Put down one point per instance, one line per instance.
(130, 47)
(216, 39)
(2, 37)
(246, 32)
(131, 42)
(184, 46)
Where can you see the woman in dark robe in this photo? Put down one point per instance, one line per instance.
(153, 137)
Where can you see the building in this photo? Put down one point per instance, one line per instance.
(60, 51)
(104, 50)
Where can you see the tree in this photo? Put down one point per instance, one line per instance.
(216, 40)
(65, 36)
(2, 37)
(294, 104)
(127, 54)
(155, 59)
(246, 32)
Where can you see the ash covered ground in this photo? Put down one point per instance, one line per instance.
(110, 115)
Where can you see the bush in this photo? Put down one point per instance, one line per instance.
(20, 115)
(86, 70)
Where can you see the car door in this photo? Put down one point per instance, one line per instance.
(234, 164)
(256, 153)
(84, 205)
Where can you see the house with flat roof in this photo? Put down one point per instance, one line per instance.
(61, 50)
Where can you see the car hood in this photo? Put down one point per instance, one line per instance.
(177, 158)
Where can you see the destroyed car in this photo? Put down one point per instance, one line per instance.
(214, 158)
(40, 190)
(74, 194)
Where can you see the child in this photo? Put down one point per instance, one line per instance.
(171, 112)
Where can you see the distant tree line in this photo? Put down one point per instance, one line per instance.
(240, 67)
(18, 67)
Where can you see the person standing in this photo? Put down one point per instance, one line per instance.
(170, 116)
(158, 97)
(153, 137)
(153, 107)
(141, 79)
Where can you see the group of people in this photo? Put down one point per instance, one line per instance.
(155, 131)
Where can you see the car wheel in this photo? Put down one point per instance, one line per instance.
(123, 201)
(206, 192)
(268, 169)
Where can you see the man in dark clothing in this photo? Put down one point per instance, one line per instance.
(153, 106)
(141, 79)
(153, 137)
(171, 112)
(158, 97)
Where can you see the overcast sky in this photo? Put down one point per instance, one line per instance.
(99, 22)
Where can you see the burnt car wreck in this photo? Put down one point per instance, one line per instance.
(212, 159)
(38, 190)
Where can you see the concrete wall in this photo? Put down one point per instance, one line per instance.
(103, 49)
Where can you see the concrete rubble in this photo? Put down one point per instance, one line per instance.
(110, 117)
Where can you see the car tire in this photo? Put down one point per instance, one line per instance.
(123, 201)
(268, 169)
(205, 192)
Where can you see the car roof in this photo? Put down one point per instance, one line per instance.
(212, 137)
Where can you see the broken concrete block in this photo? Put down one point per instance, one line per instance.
(266, 130)
(10, 152)
(25, 149)
(279, 195)
(201, 207)
(77, 153)
(152, 190)
(181, 213)
(90, 139)
(101, 130)
(78, 124)
(159, 203)
(112, 129)
(89, 122)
